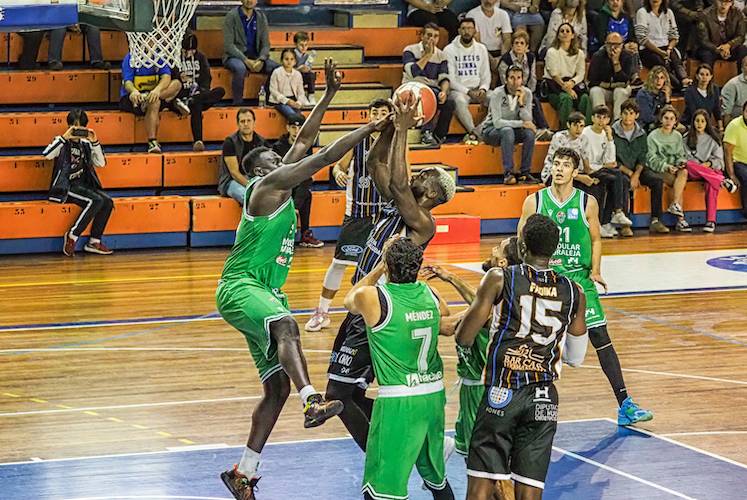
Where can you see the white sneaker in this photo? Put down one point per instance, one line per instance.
(608, 231)
(676, 209)
(312, 99)
(449, 447)
(620, 219)
(317, 321)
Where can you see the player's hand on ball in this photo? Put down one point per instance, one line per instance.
(405, 116)
(332, 77)
(341, 178)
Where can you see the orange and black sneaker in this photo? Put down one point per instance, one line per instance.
(317, 410)
(240, 486)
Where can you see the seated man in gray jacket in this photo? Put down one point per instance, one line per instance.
(509, 122)
(246, 45)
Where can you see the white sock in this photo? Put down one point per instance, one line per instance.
(249, 463)
(324, 304)
(305, 392)
(73, 237)
(93, 241)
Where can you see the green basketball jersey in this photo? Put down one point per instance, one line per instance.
(404, 345)
(472, 368)
(574, 248)
(263, 248)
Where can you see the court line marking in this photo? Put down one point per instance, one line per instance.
(684, 445)
(138, 497)
(701, 433)
(184, 449)
(621, 473)
(675, 375)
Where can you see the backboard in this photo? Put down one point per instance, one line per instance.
(123, 15)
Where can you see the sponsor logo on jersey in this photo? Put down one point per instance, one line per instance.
(499, 397)
(542, 394)
(545, 412)
(573, 214)
(415, 379)
(364, 182)
(523, 359)
(352, 249)
(560, 216)
(281, 260)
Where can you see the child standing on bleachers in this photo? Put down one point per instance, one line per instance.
(286, 87)
(304, 64)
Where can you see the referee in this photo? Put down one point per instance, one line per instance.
(75, 154)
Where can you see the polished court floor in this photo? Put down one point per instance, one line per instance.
(123, 361)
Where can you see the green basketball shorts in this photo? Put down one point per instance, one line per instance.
(594, 313)
(250, 307)
(405, 431)
(470, 397)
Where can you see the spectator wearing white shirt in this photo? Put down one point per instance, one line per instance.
(571, 138)
(494, 31)
(658, 35)
(469, 75)
(566, 11)
(613, 189)
(286, 87)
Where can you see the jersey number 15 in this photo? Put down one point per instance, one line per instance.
(534, 309)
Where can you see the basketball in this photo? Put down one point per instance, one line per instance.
(427, 103)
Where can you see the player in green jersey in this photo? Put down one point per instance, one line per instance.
(472, 362)
(402, 318)
(579, 257)
(249, 296)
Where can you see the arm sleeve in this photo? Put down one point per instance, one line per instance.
(646, 105)
(205, 79)
(641, 27)
(532, 83)
(525, 113)
(229, 41)
(275, 95)
(610, 152)
(717, 157)
(580, 73)
(53, 150)
(485, 75)
(738, 38)
(653, 158)
(443, 72)
(674, 33)
(411, 69)
(298, 90)
(97, 155)
(263, 36)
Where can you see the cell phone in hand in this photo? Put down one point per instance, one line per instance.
(80, 132)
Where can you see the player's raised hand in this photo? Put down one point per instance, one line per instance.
(597, 278)
(433, 271)
(406, 113)
(332, 77)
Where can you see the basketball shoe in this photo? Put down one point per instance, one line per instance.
(630, 413)
(317, 410)
(240, 486)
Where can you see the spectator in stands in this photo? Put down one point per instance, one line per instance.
(655, 94)
(721, 34)
(572, 12)
(246, 45)
(286, 87)
(525, 15)
(424, 62)
(76, 153)
(31, 42)
(658, 35)
(565, 70)
(734, 94)
(93, 41)
(610, 73)
(705, 162)
(613, 189)
(301, 193)
(630, 150)
(666, 156)
(494, 31)
(231, 179)
(469, 75)
(422, 12)
(196, 93)
(613, 19)
(509, 122)
(520, 56)
(305, 64)
(704, 95)
(145, 92)
(571, 138)
(735, 153)
(687, 14)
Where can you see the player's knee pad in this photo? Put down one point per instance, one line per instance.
(333, 277)
(599, 337)
(340, 391)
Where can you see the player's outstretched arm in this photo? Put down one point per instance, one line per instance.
(416, 217)
(479, 311)
(527, 209)
(592, 215)
(377, 163)
(310, 129)
(466, 290)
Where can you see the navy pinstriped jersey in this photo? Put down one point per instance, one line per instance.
(362, 199)
(528, 327)
(387, 223)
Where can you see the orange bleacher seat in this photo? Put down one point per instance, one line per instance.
(40, 219)
(214, 213)
(476, 160)
(33, 173)
(38, 129)
(191, 169)
(39, 87)
(693, 200)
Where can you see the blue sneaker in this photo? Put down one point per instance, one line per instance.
(629, 413)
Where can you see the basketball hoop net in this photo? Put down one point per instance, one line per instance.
(162, 46)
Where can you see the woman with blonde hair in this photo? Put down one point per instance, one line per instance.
(566, 11)
(655, 94)
(565, 71)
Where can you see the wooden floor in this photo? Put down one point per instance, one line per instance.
(116, 388)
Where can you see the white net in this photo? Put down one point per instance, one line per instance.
(162, 45)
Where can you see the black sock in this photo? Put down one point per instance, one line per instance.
(609, 361)
(443, 494)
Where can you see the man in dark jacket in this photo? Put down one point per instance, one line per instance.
(301, 193)
(719, 39)
(231, 179)
(687, 14)
(75, 154)
(610, 73)
(194, 74)
(246, 45)
(631, 148)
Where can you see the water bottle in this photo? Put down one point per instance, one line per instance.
(262, 97)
